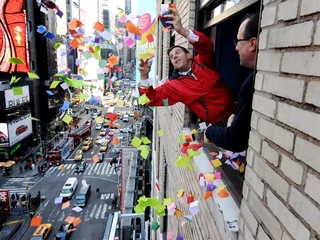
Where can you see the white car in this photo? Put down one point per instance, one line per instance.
(131, 114)
(126, 130)
(98, 126)
(120, 136)
(125, 118)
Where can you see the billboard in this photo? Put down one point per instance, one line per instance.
(4, 135)
(16, 100)
(13, 36)
(19, 128)
(4, 196)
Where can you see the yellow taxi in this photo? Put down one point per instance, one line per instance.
(78, 155)
(86, 147)
(103, 133)
(42, 232)
(98, 140)
(104, 146)
(88, 139)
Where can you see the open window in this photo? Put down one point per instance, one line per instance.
(220, 21)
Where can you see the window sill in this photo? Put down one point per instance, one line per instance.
(225, 211)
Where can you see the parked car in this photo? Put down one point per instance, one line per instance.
(80, 167)
(98, 126)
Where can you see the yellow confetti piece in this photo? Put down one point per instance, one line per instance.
(143, 99)
(216, 163)
(62, 168)
(160, 133)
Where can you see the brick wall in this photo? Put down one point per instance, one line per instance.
(281, 197)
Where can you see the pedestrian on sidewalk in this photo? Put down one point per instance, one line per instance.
(20, 168)
(13, 196)
(17, 197)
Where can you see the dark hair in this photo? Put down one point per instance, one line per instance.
(174, 46)
(252, 27)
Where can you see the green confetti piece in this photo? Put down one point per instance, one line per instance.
(145, 140)
(56, 46)
(67, 119)
(16, 60)
(87, 55)
(33, 75)
(14, 79)
(54, 84)
(182, 138)
(160, 133)
(103, 63)
(165, 102)
(143, 99)
(100, 76)
(84, 96)
(17, 91)
(136, 142)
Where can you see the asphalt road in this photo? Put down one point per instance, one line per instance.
(98, 175)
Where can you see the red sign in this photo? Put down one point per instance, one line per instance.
(13, 36)
(5, 196)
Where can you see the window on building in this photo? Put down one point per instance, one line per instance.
(220, 20)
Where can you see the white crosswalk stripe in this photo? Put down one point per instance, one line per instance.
(95, 209)
(18, 185)
(92, 169)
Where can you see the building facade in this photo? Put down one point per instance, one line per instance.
(276, 197)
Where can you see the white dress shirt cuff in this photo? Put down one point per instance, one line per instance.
(192, 37)
(145, 83)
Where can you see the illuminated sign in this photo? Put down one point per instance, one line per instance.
(16, 100)
(4, 196)
(13, 36)
(19, 128)
(4, 138)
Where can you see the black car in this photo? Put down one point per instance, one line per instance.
(80, 167)
(64, 231)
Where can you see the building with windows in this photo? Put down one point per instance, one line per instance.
(275, 197)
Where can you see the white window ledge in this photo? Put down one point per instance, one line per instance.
(224, 210)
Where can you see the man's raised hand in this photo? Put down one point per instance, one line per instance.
(144, 68)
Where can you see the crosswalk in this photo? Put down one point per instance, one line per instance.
(95, 209)
(18, 185)
(103, 168)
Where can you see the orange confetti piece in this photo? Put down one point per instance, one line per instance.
(113, 60)
(36, 221)
(115, 141)
(98, 26)
(74, 23)
(74, 43)
(77, 221)
(223, 193)
(65, 205)
(213, 154)
(131, 28)
(70, 219)
(207, 195)
(95, 158)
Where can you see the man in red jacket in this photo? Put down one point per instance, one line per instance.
(196, 83)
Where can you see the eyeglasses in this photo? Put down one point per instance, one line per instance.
(235, 42)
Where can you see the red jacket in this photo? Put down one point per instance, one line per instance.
(207, 96)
